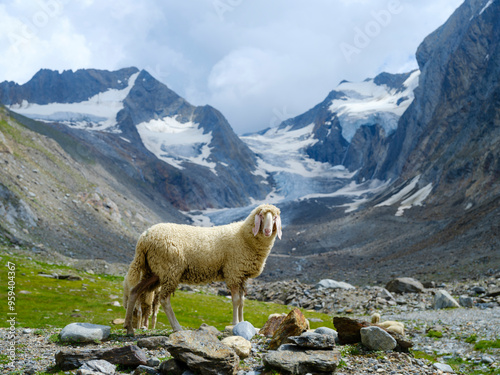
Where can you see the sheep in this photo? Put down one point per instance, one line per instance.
(147, 304)
(168, 254)
(389, 325)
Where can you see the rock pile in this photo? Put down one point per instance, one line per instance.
(285, 344)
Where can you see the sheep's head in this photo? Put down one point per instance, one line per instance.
(268, 218)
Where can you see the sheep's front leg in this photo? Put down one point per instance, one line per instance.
(241, 303)
(236, 297)
(167, 307)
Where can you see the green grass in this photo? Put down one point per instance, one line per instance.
(435, 334)
(52, 303)
(484, 345)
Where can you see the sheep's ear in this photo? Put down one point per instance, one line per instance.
(278, 226)
(256, 227)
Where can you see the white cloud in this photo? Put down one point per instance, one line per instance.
(256, 61)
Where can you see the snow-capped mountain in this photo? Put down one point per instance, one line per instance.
(190, 154)
(319, 153)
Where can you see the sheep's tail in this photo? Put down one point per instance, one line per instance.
(139, 268)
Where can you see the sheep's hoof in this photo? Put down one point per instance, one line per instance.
(130, 332)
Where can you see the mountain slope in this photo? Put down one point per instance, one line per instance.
(50, 201)
(141, 128)
(439, 217)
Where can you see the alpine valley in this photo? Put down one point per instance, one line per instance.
(395, 175)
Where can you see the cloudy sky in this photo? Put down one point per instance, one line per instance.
(258, 62)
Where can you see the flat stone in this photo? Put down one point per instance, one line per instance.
(327, 331)
(313, 341)
(332, 284)
(299, 362)
(202, 352)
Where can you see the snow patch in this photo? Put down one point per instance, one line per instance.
(176, 143)
(414, 200)
(486, 6)
(369, 103)
(98, 113)
(407, 200)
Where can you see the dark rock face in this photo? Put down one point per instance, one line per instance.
(450, 131)
(49, 86)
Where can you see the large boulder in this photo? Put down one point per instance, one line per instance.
(405, 285)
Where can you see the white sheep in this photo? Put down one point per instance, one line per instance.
(389, 325)
(147, 305)
(169, 254)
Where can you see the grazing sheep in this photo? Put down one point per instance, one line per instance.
(169, 254)
(389, 325)
(147, 304)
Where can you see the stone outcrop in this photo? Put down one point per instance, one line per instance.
(293, 325)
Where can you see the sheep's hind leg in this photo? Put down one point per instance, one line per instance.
(136, 291)
(167, 307)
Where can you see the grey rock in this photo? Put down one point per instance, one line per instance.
(245, 330)
(332, 284)
(443, 367)
(478, 290)
(466, 301)
(443, 299)
(84, 332)
(326, 331)
(172, 367)
(145, 370)
(297, 361)
(210, 329)
(487, 359)
(313, 341)
(202, 352)
(100, 366)
(404, 285)
(130, 355)
(153, 342)
(376, 338)
(153, 362)
(385, 294)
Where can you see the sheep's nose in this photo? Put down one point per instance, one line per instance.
(267, 232)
